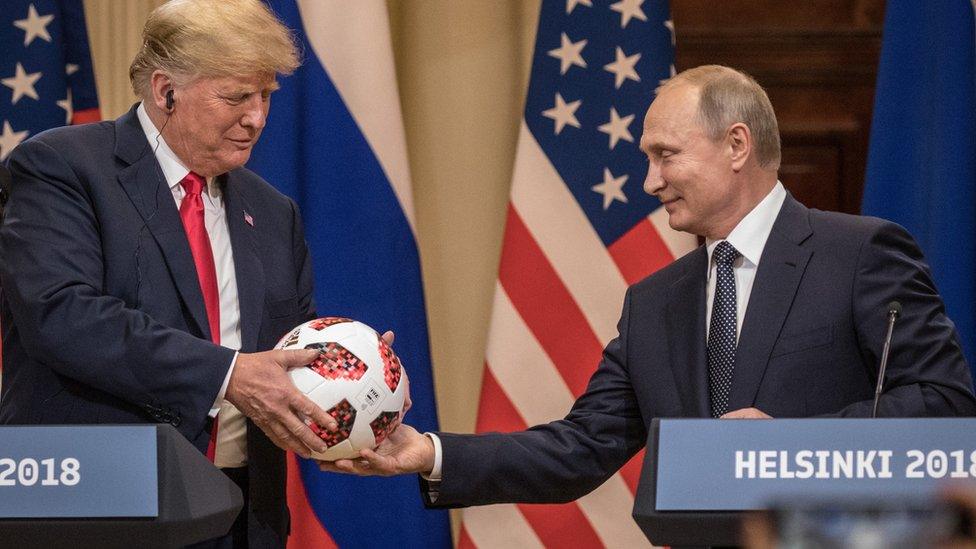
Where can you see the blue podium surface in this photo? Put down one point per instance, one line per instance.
(700, 475)
(109, 486)
(78, 471)
(733, 465)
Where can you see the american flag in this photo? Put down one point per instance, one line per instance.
(579, 230)
(45, 70)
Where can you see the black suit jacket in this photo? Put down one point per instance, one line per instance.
(810, 345)
(102, 312)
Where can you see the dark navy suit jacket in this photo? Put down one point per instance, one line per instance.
(102, 312)
(810, 345)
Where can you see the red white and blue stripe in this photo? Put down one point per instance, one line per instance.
(335, 143)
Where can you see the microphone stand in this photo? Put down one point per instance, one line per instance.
(894, 309)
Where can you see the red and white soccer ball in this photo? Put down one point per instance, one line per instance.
(356, 380)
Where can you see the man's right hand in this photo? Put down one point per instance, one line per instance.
(260, 388)
(403, 451)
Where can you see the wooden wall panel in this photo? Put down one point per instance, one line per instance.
(818, 61)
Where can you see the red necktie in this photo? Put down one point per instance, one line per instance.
(191, 213)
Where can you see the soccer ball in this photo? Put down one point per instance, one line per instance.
(356, 379)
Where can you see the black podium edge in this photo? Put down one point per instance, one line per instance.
(678, 528)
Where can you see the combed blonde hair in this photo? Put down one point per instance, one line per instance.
(727, 96)
(188, 39)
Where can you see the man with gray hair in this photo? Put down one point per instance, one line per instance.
(147, 274)
(780, 314)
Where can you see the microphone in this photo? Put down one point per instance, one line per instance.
(894, 309)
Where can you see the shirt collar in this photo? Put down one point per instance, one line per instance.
(750, 235)
(173, 168)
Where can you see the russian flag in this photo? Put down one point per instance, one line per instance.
(335, 143)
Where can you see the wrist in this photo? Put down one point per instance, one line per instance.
(433, 456)
(428, 464)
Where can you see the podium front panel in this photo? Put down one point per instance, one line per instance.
(735, 465)
(78, 471)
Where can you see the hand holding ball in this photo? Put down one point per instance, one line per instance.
(357, 379)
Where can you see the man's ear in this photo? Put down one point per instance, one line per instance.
(740, 144)
(160, 85)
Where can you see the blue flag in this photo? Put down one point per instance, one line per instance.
(335, 143)
(922, 163)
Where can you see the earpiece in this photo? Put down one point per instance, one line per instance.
(170, 101)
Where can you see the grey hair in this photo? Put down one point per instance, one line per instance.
(728, 96)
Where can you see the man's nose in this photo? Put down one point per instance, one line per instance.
(653, 182)
(256, 113)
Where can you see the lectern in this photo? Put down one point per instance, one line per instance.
(109, 486)
(700, 474)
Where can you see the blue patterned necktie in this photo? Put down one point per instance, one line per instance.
(722, 330)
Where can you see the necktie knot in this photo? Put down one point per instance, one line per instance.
(193, 183)
(725, 253)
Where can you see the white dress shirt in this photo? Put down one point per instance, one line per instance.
(749, 237)
(231, 448)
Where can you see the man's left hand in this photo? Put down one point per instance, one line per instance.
(747, 413)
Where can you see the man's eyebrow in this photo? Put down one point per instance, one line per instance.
(241, 90)
(651, 146)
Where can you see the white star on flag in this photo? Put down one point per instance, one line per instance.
(629, 9)
(623, 67)
(70, 68)
(571, 4)
(673, 72)
(67, 106)
(669, 24)
(22, 84)
(10, 139)
(618, 128)
(569, 53)
(612, 188)
(35, 26)
(563, 113)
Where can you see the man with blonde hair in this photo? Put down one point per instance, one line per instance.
(146, 273)
(780, 314)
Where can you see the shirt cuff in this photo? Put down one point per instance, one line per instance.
(223, 388)
(435, 473)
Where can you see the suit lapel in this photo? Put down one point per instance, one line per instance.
(247, 264)
(686, 335)
(780, 270)
(143, 182)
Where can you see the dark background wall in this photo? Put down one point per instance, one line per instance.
(817, 60)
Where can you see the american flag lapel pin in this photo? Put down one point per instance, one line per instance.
(248, 219)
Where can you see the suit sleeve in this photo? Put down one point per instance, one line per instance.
(555, 462)
(927, 374)
(52, 274)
